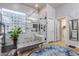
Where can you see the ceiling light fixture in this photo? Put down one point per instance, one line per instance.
(36, 5)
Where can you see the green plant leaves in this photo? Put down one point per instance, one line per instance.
(14, 33)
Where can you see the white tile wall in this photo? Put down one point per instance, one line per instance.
(49, 11)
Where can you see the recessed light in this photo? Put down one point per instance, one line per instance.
(36, 5)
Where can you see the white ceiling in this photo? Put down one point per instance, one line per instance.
(41, 5)
(55, 5)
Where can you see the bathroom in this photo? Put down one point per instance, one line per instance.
(42, 24)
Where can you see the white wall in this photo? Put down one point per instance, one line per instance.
(51, 23)
(50, 12)
(70, 10)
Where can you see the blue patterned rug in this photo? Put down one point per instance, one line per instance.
(54, 51)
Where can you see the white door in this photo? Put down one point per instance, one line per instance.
(50, 30)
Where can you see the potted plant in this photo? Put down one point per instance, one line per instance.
(14, 34)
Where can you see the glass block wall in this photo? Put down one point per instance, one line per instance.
(10, 19)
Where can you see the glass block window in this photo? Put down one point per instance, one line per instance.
(12, 18)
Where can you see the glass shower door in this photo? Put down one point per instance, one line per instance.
(74, 29)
